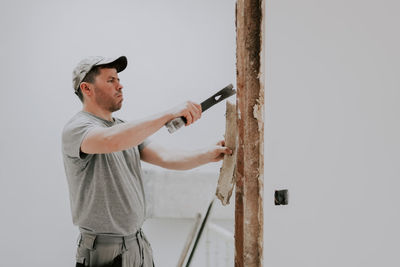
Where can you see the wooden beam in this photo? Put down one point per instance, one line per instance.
(250, 155)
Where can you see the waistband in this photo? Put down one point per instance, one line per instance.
(89, 240)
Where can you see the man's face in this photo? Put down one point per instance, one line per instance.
(108, 90)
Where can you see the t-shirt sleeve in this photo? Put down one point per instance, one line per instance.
(144, 144)
(73, 135)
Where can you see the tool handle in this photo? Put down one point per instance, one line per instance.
(175, 124)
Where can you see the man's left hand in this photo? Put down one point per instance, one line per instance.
(218, 151)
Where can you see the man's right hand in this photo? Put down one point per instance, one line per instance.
(191, 111)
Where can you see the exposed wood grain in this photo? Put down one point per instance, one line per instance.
(250, 156)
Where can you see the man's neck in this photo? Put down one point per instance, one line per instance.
(104, 114)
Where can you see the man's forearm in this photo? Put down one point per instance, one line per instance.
(126, 135)
(184, 160)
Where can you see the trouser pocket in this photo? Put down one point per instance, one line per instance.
(82, 254)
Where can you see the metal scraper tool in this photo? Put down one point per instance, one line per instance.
(224, 93)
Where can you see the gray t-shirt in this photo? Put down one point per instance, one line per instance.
(106, 190)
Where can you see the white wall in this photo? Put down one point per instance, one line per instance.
(177, 50)
(332, 133)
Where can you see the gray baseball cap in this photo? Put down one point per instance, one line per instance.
(85, 65)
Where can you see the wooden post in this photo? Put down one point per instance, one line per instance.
(250, 120)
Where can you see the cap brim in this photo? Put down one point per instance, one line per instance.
(119, 64)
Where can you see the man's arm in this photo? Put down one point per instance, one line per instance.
(126, 135)
(183, 160)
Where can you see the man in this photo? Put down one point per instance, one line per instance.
(102, 163)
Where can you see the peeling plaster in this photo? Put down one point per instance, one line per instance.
(227, 177)
(258, 114)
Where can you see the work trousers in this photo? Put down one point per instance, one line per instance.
(110, 251)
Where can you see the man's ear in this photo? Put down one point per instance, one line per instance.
(86, 89)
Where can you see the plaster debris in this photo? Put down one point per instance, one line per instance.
(227, 178)
(258, 114)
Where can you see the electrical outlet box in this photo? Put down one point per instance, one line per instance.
(281, 197)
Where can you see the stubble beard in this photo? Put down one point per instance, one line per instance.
(107, 102)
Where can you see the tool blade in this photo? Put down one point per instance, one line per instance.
(222, 94)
